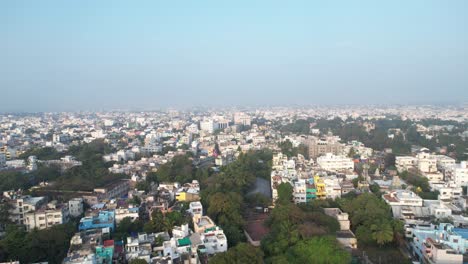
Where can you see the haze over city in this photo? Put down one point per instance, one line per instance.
(101, 55)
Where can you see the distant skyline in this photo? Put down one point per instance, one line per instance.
(102, 55)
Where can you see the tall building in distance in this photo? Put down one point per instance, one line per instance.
(242, 119)
(321, 146)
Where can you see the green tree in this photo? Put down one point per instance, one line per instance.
(284, 193)
(241, 253)
(322, 249)
(382, 232)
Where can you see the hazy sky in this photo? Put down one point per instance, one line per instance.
(74, 55)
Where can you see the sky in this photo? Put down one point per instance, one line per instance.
(103, 55)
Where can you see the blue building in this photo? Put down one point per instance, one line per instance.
(102, 220)
(444, 236)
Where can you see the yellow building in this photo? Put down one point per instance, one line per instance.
(320, 187)
(187, 197)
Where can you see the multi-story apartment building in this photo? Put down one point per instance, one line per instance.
(404, 163)
(459, 173)
(335, 163)
(114, 190)
(242, 119)
(208, 126)
(427, 163)
(20, 205)
(75, 206)
(441, 243)
(46, 217)
(321, 146)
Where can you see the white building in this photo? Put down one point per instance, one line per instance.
(130, 212)
(444, 162)
(404, 163)
(332, 187)
(242, 119)
(336, 163)
(46, 217)
(300, 191)
(403, 198)
(75, 206)
(23, 204)
(208, 126)
(427, 163)
(214, 240)
(195, 208)
(459, 173)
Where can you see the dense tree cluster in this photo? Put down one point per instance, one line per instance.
(296, 228)
(241, 253)
(49, 245)
(371, 219)
(223, 193)
(420, 185)
(289, 150)
(164, 222)
(179, 169)
(47, 153)
(378, 138)
(13, 180)
(93, 173)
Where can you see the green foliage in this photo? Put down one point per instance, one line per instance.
(94, 171)
(179, 169)
(164, 222)
(126, 227)
(291, 224)
(47, 153)
(225, 210)
(284, 193)
(222, 194)
(416, 180)
(38, 245)
(13, 180)
(290, 151)
(242, 253)
(371, 219)
(297, 127)
(318, 250)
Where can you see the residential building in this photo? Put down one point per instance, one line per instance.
(75, 206)
(441, 243)
(459, 173)
(404, 163)
(242, 119)
(344, 236)
(113, 190)
(46, 217)
(103, 219)
(402, 197)
(129, 212)
(83, 247)
(321, 146)
(20, 205)
(335, 163)
(195, 208)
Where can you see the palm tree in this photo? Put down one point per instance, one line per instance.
(382, 232)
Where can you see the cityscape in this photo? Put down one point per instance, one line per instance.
(212, 132)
